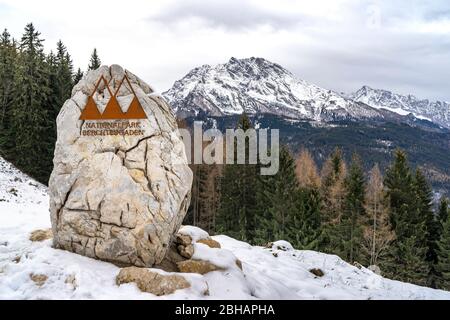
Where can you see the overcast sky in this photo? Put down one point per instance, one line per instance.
(401, 45)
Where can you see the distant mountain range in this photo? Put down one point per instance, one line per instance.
(258, 86)
(437, 112)
(369, 122)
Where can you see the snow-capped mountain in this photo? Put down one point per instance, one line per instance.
(255, 85)
(437, 112)
(273, 272)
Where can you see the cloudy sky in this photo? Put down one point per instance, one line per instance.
(401, 45)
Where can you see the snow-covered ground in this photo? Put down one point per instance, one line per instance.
(268, 273)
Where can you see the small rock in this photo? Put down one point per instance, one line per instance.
(210, 243)
(152, 282)
(197, 266)
(186, 251)
(72, 280)
(206, 292)
(358, 265)
(38, 279)
(239, 264)
(183, 239)
(169, 263)
(269, 245)
(17, 259)
(41, 235)
(275, 254)
(375, 269)
(317, 272)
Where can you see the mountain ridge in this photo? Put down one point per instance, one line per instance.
(434, 111)
(256, 85)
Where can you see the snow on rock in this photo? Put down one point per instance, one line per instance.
(282, 245)
(194, 232)
(263, 276)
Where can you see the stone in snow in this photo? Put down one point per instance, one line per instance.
(118, 198)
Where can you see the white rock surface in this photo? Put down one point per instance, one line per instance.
(118, 198)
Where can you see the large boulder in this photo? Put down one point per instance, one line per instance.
(120, 186)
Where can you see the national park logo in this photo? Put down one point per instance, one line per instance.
(94, 119)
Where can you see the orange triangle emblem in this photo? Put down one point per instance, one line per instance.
(90, 112)
(113, 111)
(135, 110)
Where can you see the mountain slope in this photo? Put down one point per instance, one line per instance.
(255, 85)
(278, 272)
(437, 112)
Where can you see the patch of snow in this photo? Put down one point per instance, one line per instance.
(194, 232)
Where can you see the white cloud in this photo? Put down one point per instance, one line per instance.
(341, 45)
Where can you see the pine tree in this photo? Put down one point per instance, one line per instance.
(199, 196)
(30, 118)
(399, 182)
(238, 199)
(78, 76)
(64, 75)
(95, 61)
(378, 234)
(307, 228)
(265, 223)
(443, 251)
(406, 259)
(424, 198)
(53, 96)
(350, 229)
(282, 195)
(442, 212)
(8, 56)
(307, 223)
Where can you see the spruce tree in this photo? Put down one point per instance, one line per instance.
(424, 198)
(282, 196)
(308, 222)
(94, 62)
(53, 96)
(238, 199)
(443, 250)
(64, 75)
(30, 117)
(78, 76)
(307, 225)
(8, 57)
(399, 182)
(442, 212)
(406, 260)
(350, 228)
